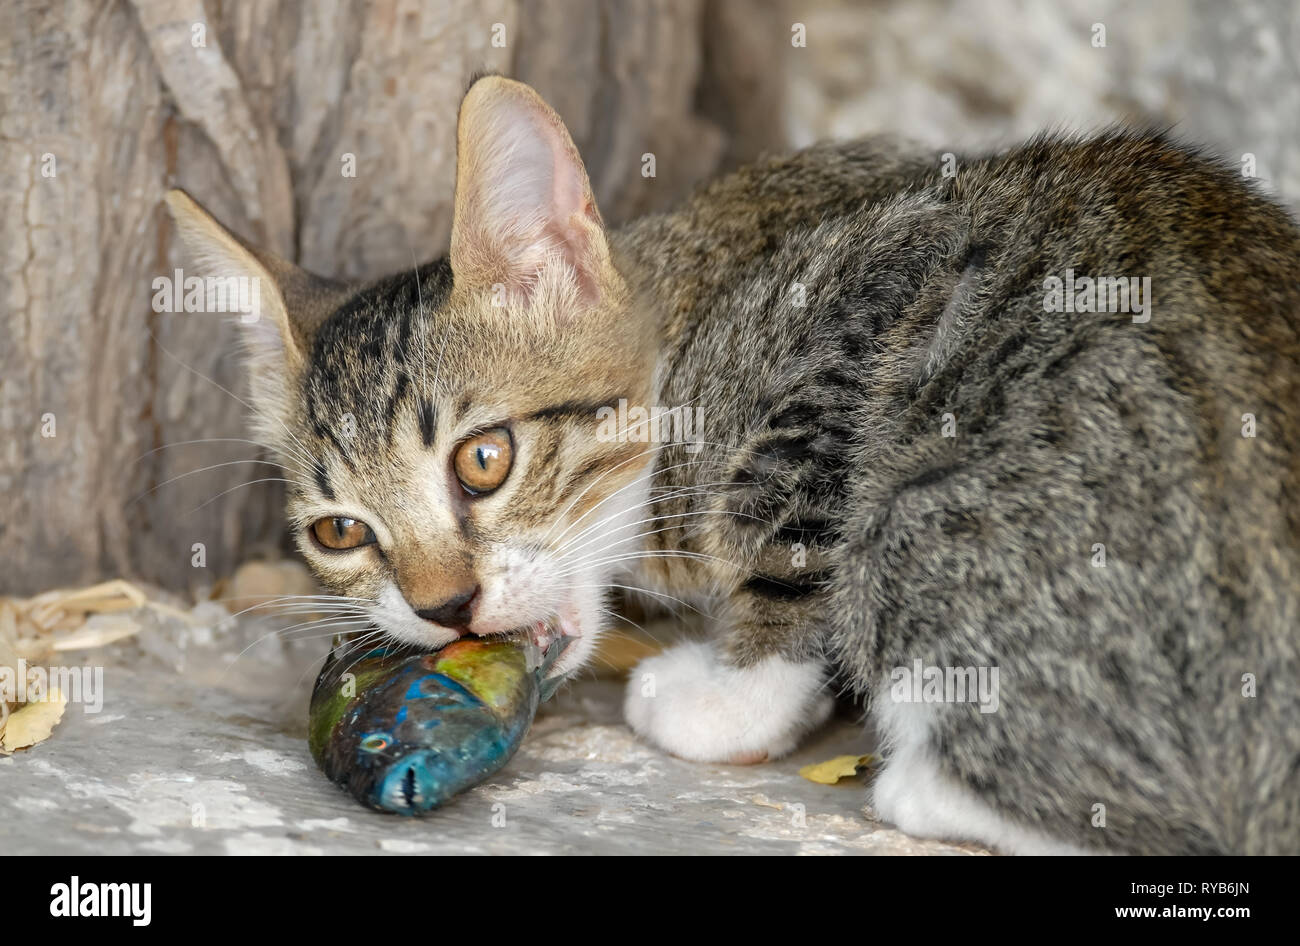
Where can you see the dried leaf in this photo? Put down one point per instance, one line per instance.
(832, 770)
(34, 722)
(98, 635)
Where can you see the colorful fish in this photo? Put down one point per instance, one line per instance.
(406, 733)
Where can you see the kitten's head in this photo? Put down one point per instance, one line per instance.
(441, 429)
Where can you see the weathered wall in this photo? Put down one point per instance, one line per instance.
(256, 124)
(978, 73)
(103, 105)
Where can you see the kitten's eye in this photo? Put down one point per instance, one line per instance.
(336, 532)
(483, 460)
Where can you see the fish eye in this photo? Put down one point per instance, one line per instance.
(339, 533)
(483, 461)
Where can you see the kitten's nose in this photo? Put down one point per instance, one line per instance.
(456, 612)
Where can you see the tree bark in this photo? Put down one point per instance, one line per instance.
(254, 107)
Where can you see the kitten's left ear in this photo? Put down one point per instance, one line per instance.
(523, 201)
(289, 302)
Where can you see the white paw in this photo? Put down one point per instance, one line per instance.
(693, 705)
(912, 793)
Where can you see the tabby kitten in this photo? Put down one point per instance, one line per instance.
(928, 458)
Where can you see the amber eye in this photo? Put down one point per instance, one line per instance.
(483, 460)
(337, 532)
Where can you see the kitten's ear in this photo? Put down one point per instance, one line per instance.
(287, 303)
(523, 200)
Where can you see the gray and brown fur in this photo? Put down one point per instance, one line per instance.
(924, 297)
(1121, 685)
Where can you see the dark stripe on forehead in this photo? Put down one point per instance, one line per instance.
(394, 402)
(428, 421)
(324, 432)
(368, 357)
(404, 291)
(323, 483)
(403, 345)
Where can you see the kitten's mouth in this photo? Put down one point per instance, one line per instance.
(549, 637)
(548, 640)
(542, 633)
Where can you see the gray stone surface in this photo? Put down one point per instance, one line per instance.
(197, 752)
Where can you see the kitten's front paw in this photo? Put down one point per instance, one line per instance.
(690, 703)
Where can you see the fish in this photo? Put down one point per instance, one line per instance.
(405, 733)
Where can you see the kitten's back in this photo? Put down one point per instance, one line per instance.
(925, 315)
(1126, 679)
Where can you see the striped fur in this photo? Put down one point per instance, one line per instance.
(904, 457)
